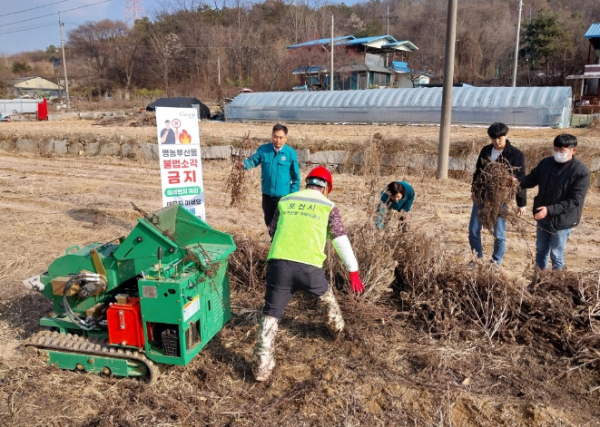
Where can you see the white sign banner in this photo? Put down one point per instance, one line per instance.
(180, 161)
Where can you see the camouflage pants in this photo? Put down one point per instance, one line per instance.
(330, 309)
(263, 360)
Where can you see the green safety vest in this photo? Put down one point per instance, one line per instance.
(302, 228)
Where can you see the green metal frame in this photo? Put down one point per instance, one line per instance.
(174, 293)
(96, 364)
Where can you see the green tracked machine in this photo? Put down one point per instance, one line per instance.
(125, 307)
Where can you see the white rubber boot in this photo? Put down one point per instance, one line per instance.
(329, 307)
(263, 360)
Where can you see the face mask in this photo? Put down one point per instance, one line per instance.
(561, 157)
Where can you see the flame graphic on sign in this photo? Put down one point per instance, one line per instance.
(184, 137)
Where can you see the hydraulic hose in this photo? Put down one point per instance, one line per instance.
(68, 310)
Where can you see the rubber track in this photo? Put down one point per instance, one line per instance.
(47, 340)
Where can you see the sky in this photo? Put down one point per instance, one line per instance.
(33, 24)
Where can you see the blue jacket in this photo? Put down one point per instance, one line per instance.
(280, 173)
(404, 203)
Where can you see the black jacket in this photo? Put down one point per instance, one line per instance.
(563, 187)
(514, 157)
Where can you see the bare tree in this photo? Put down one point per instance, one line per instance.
(165, 48)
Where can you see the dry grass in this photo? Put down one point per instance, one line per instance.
(144, 119)
(112, 121)
(595, 124)
(447, 346)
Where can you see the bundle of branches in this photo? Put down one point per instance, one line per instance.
(375, 251)
(494, 191)
(248, 264)
(444, 297)
(236, 184)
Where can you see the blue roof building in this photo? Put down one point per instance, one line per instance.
(593, 32)
(379, 44)
(379, 67)
(586, 84)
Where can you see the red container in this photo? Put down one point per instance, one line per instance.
(42, 113)
(125, 324)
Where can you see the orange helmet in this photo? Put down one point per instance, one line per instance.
(321, 174)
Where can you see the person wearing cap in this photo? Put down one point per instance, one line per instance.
(280, 171)
(303, 222)
(398, 196)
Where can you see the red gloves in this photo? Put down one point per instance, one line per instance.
(356, 285)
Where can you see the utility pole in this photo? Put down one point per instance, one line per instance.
(516, 58)
(331, 71)
(444, 144)
(219, 71)
(387, 18)
(62, 44)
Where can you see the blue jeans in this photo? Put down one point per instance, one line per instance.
(499, 236)
(551, 242)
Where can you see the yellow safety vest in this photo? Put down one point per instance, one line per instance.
(301, 232)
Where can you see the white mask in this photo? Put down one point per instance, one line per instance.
(560, 157)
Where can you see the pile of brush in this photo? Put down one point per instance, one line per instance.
(493, 192)
(145, 119)
(416, 275)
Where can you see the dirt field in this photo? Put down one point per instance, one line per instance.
(387, 369)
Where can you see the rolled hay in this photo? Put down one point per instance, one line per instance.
(494, 192)
(237, 185)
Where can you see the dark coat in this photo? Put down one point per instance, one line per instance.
(563, 187)
(514, 157)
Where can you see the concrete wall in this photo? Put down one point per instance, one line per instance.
(341, 160)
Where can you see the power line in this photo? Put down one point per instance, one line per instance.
(18, 30)
(33, 8)
(61, 11)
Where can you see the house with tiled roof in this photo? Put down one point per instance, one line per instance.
(36, 87)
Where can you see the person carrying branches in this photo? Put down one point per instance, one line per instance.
(280, 171)
(503, 152)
